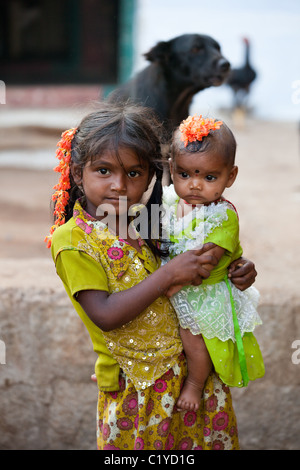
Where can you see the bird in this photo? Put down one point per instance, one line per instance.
(240, 79)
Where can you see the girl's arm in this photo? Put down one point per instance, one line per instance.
(112, 311)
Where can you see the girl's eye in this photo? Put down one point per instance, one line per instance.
(210, 178)
(103, 171)
(183, 174)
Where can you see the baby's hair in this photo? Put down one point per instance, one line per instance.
(219, 140)
(109, 128)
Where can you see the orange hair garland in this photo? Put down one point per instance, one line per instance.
(61, 195)
(196, 127)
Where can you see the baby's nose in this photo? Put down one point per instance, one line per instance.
(195, 183)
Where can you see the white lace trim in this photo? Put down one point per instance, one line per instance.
(207, 310)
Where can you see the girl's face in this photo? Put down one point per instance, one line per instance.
(201, 178)
(114, 183)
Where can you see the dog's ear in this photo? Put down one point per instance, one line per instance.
(159, 53)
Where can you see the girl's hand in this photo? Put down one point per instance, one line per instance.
(209, 256)
(242, 273)
(173, 290)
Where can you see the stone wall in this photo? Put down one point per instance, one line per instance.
(47, 398)
(268, 410)
(49, 402)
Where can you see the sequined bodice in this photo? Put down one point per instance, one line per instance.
(149, 345)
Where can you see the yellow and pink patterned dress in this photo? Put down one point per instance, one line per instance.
(140, 367)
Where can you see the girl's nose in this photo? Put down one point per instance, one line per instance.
(119, 183)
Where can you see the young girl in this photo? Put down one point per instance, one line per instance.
(217, 319)
(117, 287)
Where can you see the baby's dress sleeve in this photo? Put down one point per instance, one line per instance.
(227, 235)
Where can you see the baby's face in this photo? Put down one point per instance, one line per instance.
(201, 177)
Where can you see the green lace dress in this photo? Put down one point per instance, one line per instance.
(225, 316)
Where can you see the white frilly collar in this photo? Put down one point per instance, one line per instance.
(208, 218)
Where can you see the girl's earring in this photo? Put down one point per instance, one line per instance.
(82, 196)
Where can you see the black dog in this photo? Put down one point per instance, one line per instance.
(179, 69)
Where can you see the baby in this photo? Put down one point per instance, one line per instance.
(217, 320)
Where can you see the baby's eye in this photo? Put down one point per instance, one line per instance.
(133, 174)
(210, 178)
(103, 171)
(183, 174)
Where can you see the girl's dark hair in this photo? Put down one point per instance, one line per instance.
(221, 140)
(113, 126)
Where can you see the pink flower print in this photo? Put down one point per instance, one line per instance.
(130, 404)
(139, 444)
(217, 445)
(220, 421)
(115, 252)
(233, 431)
(186, 444)
(160, 386)
(158, 445)
(124, 424)
(84, 226)
(169, 442)
(211, 403)
(149, 407)
(163, 427)
(105, 431)
(189, 418)
(110, 447)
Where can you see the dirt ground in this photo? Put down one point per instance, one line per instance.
(266, 194)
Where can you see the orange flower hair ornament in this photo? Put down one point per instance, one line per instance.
(196, 127)
(61, 195)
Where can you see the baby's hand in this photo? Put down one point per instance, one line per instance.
(242, 273)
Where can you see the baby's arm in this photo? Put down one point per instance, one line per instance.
(112, 311)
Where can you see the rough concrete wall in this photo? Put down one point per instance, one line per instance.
(47, 398)
(268, 411)
(49, 402)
